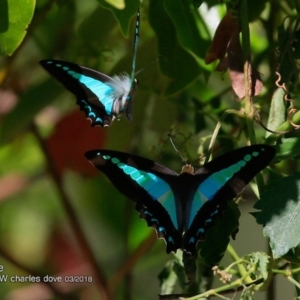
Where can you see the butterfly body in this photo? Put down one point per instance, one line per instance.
(182, 207)
(101, 97)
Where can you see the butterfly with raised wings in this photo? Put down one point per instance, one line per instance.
(101, 97)
(182, 207)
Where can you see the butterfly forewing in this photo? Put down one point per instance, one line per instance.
(225, 178)
(92, 89)
(137, 179)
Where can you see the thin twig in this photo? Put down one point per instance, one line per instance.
(78, 232)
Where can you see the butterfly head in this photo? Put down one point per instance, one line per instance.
(187, 169)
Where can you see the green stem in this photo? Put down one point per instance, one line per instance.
(218, 126)
(83, 243)
(216, 292)
(249, 108)
(293, 281)
(244, 273)
(287, 272)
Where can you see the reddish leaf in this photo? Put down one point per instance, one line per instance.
(221, 38)
(73, 136)
(236, 68)
(8, 101)
(235, 62)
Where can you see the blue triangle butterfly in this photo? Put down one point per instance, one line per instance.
(182, 207)
(101, 97)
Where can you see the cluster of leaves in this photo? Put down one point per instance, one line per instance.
(58, 216)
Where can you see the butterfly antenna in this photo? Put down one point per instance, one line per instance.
(210, 152)
(151, 63)
(135, 45)
(171, 140)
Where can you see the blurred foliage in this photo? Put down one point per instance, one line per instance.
(52, 199)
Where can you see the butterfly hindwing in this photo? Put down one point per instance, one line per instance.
(225, 178)
(136, 178)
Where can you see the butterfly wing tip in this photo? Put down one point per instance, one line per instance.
(91, 154)
(43, 62)
(87, 155)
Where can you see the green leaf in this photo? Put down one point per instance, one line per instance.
(277, 113)
(296, 45)
(288, 148)
(197, 3)
(57, 35)
(15, 16)
(261, 260)
(86, 30)
(175, 62)
(279, 214)
(118, 4)
(247, 294)
(287, 65)
(123, 16)
(185, 21)
(168, 278)
(29, 105)
(292, 256)
(255, 8)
